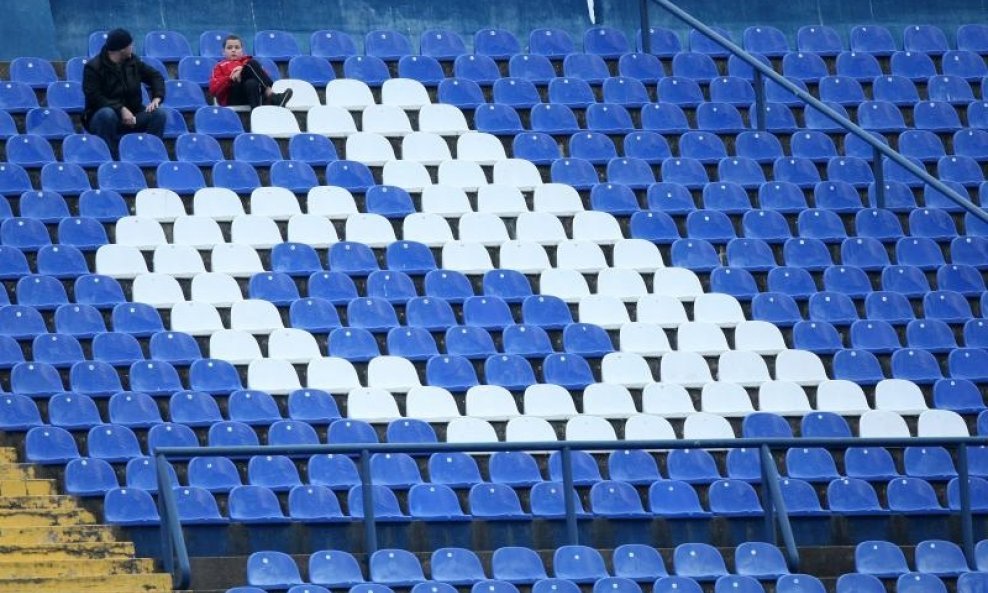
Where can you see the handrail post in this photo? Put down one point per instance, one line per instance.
(767, 501)
(572, 533)
(172, 538)
(646, 32)
(370, 523)
(967, 527)
(770, 480)
(878, 170)
(761, 108)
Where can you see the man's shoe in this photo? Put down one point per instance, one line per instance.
(281, 99)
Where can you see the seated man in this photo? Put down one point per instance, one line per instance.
(112, 82)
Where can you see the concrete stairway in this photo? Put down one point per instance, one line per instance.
(51, 544)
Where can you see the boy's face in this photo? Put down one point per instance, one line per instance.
(233, 49)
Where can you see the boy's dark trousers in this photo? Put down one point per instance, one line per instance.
(252, 86)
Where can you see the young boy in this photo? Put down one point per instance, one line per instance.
(239, 80)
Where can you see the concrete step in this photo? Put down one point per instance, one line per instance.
(12, 471)
(42, 517)
(25, 536)
(85, 567)
(30, 503)
(79, 551)
(8, 455)
(27, 487)
(121, 583)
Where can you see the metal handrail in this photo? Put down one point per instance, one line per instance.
(176, 557)
(761, 70)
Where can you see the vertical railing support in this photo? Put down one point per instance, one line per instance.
(370, 522)
(775, 510)
(761, 108)
(572, 533)
(172, 539)
(878, 170)
(646, 28)
(967, 526)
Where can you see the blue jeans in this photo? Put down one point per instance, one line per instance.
(106, 124)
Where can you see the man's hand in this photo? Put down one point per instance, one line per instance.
(235, 74)
(154, 104)
(127, 117)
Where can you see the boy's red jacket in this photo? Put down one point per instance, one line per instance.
(219, 82)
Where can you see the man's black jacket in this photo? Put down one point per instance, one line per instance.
(106, 84)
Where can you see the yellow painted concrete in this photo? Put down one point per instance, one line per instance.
(122, 583)
(20, 536)
(92, 550)
(51, 568)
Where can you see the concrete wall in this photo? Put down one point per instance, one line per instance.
(59, 29)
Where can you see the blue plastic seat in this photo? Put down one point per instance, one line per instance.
(842, 90)
(29, 151)
(816, 336)
(499, 44)
(864, 253)
(947, 306)
(803, 66)
(313, 149)
(353, 343)
(314, 406)
(694, 65)
(685, 172)
(609, 118)
(657, 227)
(741, 170)
(497, 119)
(112, 442)
(465, 94)
(477, 68)
(824, 225)
(737, 282)
(130, 506)
(350, 175)
(679, 91)
(761, 147)
(496, 501)
(641, 66)
(196, 69)
(218, 122)
(546, 311)
(539, 148)
(781, 196)
(256, 149)
(49, 122)
(664, 117)
(85, 150)
(454, 373)
(811, 254)
(553, 119)
(184, 95)
(874, 336)
(918, 366)
(134, 409)
(634, 173)
(616, 500)
(276, 472)
(775, 307)
(456, 470)
(625, 91)
(701, 43)
(517, 92)
(859, 366)
(17, 97)
(589, 67)
(701, 562)
(213, 376)
(768, 41)
(387, 44)
(272, 570)
(954, 90)
(965, 363)
(253, 407)
(385, 504)
(930, 334)
(896, 90)
(176, 348)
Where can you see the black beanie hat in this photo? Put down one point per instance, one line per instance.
(118, 39)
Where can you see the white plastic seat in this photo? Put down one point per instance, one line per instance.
(120, 261)
(701, 337)
(277, 203)
(800, 366)
(393, 373)
(607, 312)
(551, 402)
(491, 402)
(624, 284)
(518, 173)
(405, 93)
(638, 255)
(195, 318)
(646, 339)
(677, 282)
(239, 261)
(667, 400)
(725, 399)
(481, 148)
(178, 261)
(760, 337)
(688, 369)
(445, 200)
(442, 119)
(333, 121)
(218, 203)
(582, 256)
(387, 120)
(371, 229)
(142, 233)
(529, 429)
(470, 430)
(433, 404)
(718, 308)
(272, 375)
(200, 232)
(841, 397)
(255, 230)
(662, 310)
(882, 424)
(216, 288)
(425, 147)
(234, 346)
(568, 285)
(483, 228)
(646, 427)
(500, 199)
(899, 395)
(468, 258)
(589, 428)
(599, 227)
(333, 374)
(941, 423)
(408, 175)
(255, 316)
(312, 229)
(608, 400)
(293, 345)
(371, 405)
(557, 198)
(335, 203)
(369, 148)
(466, 175)
(274, 121)
(304, 95)
(745, 368)
(430, 229)
(348, 93)
(543, 228)
(703, 425)
(159, 204)
(158, 290)
(523, 256)
(784, 398)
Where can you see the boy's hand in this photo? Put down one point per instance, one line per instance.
(235, 75)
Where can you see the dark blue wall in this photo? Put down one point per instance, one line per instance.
(59, 29)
